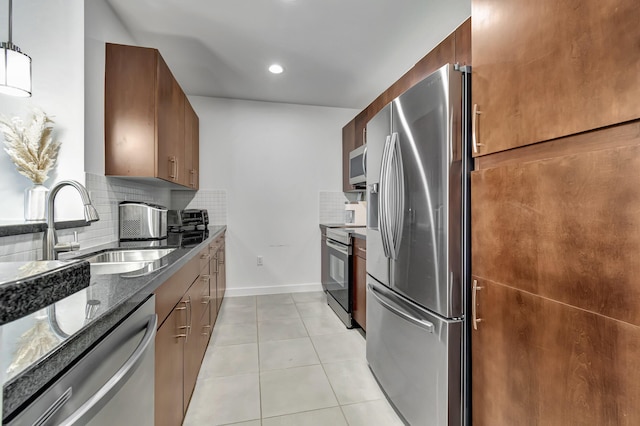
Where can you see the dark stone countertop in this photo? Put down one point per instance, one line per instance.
(115, 297)
(26, 287)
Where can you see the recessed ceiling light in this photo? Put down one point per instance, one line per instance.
(276, 69)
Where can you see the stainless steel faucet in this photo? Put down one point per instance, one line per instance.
(50, 245)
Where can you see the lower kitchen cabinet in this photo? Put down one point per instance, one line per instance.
(169, 409)
(360, 283)
(222, 274)
(197, 300)
(184, 334)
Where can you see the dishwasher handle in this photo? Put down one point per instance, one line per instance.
(113, 385)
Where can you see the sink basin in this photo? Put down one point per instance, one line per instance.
(143, 261)
(129, 255)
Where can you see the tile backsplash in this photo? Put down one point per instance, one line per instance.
(214, 200)
(106, 193)
(332, 206)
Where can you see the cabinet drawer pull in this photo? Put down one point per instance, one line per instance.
(205, 256)
(361, 249)
(178, 336)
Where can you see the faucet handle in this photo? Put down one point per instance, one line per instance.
(74, 245)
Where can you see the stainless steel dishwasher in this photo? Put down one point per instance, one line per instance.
(112, 384)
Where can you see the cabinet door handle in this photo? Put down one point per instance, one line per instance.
(474, 307)
(183, 327)
(361, 249)
(205, 256)
(474, 128)
(174, 167)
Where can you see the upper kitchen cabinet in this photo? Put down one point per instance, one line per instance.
(191, 146)
(151, 130)
(353, 136)
(545, 69)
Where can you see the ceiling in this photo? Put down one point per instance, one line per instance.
(340, 53)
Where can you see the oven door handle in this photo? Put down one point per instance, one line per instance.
(342, 249)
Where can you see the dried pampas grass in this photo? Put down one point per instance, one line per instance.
(32, 149)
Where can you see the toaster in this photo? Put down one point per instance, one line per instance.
(142, 221)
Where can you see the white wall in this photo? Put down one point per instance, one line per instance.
(273, 160)
(101, 25)
(51, 32)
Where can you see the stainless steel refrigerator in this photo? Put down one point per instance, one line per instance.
(417, 249)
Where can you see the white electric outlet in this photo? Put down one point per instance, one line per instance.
(259, 260)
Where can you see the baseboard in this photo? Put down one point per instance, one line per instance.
(275, 289)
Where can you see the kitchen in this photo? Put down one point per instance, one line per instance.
(279, 223)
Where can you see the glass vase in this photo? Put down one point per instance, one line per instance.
(35, 203)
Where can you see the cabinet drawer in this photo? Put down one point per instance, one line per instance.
(360, 247)
(170, 293)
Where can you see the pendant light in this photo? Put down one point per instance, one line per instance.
(15, 66)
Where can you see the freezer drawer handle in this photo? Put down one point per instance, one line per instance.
(113, 385)
(419, 322)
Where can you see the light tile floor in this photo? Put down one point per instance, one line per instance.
(286, 360)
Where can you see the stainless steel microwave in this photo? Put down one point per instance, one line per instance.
(358, 166)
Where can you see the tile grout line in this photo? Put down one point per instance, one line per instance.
(327, 376)
(259, 364)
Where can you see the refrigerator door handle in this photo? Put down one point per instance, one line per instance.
(398, 195)
(394, 308)
(383, 200)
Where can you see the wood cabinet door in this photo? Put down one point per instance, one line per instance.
(191, 146)
(540, 362)
(360, 291)
(545, 69)
(169, 358)
(170, 126)
(213, 286)
(192, 344)
(129, 110)
(222, 275)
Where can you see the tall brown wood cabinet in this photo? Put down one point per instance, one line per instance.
(546, 69)
(555, 229)
(151, 130)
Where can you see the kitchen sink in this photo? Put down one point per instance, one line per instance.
(129, 255)
(136, 262)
